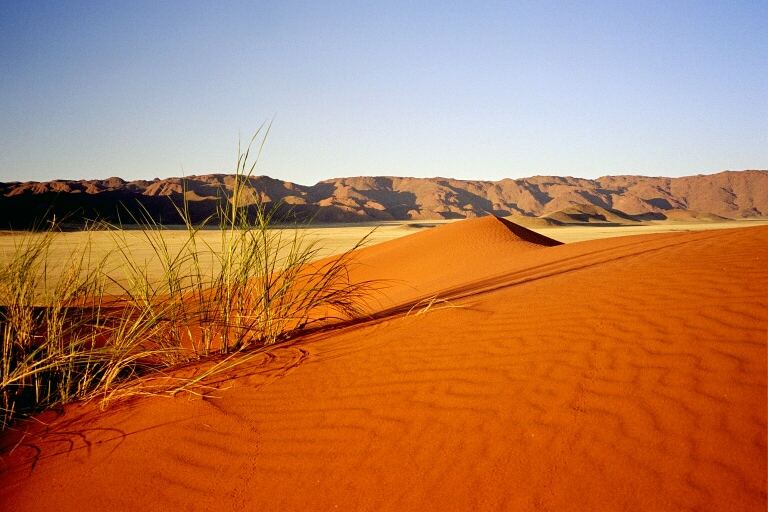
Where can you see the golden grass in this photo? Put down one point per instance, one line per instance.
(328, 239)
(84, 320)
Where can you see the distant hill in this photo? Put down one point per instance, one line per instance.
(553, 199)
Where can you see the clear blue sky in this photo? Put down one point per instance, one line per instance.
(467, 90)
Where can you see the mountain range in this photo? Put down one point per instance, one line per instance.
(550, 199)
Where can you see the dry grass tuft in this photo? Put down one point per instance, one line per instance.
(64, 338)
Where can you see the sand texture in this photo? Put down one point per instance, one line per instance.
(618, 374)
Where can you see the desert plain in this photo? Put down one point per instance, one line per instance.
(498, 369)
(330, 239)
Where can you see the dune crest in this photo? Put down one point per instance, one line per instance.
(438, 258)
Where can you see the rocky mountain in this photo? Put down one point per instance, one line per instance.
(553, 199)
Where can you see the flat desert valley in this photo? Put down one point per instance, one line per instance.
(497, 369)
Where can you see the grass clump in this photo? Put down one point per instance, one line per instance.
(64, 337)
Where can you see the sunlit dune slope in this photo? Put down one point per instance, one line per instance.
(435, 259)
(619, 374)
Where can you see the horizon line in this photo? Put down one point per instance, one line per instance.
(219, 173)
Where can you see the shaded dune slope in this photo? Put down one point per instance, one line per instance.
(617, 374)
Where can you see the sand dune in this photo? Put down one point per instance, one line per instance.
(425, 264)
(619, 374)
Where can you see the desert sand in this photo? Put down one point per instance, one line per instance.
(500, 371)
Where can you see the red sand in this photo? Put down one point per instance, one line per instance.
(619, 374)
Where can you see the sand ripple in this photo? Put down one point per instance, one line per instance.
(622, 374)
